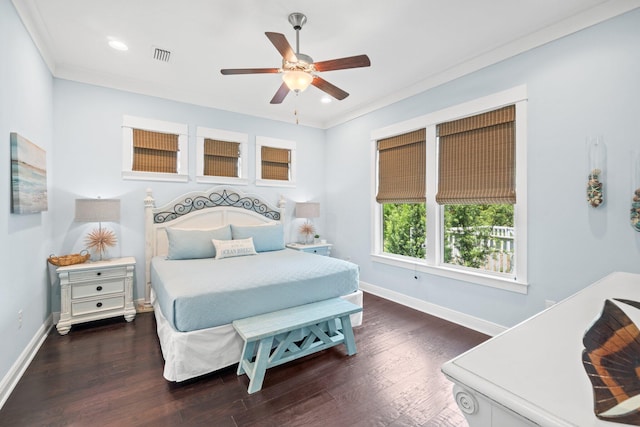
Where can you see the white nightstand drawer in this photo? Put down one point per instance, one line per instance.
(320, 251)
(313, 248)
(101, 288)
(98, 273)
(93, 306)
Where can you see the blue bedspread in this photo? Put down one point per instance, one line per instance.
(203, 293)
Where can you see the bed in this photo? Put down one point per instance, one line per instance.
(197, 288)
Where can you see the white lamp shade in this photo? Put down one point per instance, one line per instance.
(97, 210)
(297, 80)
(308, 210)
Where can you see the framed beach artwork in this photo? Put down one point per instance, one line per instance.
(28, 176)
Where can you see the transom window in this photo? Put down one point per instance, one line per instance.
(221, 156)
(154, 149)
(275, 162)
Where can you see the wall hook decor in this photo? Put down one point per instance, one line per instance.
(595, 155)
(635, 188)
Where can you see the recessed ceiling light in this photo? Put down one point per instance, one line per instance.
(118, 45)
(325, 100)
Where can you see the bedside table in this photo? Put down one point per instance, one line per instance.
(96, 290)
(313, 248)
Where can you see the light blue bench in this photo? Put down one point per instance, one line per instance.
(297, 331)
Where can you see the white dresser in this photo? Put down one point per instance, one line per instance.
(96, 290)
(532, 374)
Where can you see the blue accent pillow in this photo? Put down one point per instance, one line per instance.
(192, 243)
(265, 237)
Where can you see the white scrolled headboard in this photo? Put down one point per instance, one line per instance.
(198, 210)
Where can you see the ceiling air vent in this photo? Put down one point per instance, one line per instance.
(161, 54)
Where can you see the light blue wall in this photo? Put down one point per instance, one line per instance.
(26, 89)
(581, 85)
(88, 162)
(584, 84)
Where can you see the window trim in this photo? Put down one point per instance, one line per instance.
(182, 130)
(203, 133)
(275, 143)
(433, 262)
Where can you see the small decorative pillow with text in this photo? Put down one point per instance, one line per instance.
(193, 243)
(231, 248)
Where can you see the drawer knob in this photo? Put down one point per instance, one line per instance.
(99, 305)
(99, 288)
(99, 273)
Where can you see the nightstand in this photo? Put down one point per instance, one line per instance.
(96, 290)
(313, 248)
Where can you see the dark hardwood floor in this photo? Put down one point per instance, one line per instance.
(109, 373)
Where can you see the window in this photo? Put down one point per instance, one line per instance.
(401, 191)
(470, 226)
(221, 156)
(275, 162)
(476, 185)
(154, 150)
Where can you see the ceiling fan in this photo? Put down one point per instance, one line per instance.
(298, 70)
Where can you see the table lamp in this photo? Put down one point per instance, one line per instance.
(98, 210)
(307, 210)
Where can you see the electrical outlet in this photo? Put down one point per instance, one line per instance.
(19, 318)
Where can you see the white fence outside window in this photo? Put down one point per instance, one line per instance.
(500, 242)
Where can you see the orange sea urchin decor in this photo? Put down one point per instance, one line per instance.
(100, 239)
(307, 230)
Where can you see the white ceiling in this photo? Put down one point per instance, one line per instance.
(413, 45)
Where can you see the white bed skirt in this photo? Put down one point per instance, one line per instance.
(191, 354)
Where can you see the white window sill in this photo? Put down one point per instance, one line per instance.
(153, 176)
(207, 179)
(274, 183)
(504, 283)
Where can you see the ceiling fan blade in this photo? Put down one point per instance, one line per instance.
(343, 63)
(327, 87)
(229, 71)
(282, 92)
(283, 46)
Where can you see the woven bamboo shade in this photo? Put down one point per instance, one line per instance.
(402, 168)
(155, 151)
(275, 163)
(221, 158)
(477, 159)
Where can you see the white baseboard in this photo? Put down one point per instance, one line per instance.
(457, 317)
(10, 380)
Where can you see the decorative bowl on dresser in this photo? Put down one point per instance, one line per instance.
(96, 290)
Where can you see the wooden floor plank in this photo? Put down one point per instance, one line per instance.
(109, 372)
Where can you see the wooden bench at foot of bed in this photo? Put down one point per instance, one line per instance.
(300, 331)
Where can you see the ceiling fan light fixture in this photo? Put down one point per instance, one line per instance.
(297, 80)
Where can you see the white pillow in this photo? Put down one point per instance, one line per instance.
(231, 248)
